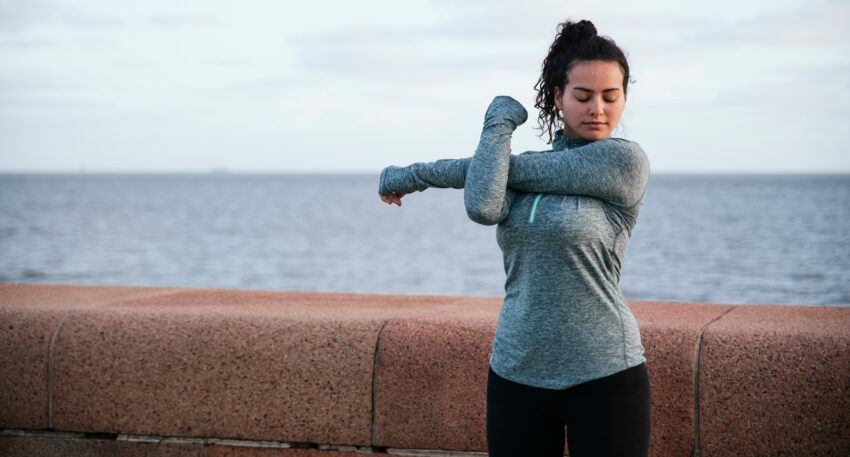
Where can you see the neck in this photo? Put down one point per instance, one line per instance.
(561, 142)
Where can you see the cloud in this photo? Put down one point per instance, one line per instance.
(15, 104)
(402, 55)
(38, 82)
(29, 43)
(183, 20)
(476, 37)
(468, 40)
(227, 62)
(19, 15)
(812, 25)
(45, 93)
(400, 61)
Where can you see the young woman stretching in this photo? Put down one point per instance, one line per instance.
(567, 349)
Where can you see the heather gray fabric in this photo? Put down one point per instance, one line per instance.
(564, 219)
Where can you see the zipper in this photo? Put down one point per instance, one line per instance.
(534, 207)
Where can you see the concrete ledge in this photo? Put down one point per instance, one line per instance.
(334, 374)
(775, 380)
(30, 316)
(431, 378)
(671, 333)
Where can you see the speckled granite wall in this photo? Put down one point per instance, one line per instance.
(94, 370)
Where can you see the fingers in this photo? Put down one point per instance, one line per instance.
(396, 197)
(389, 199)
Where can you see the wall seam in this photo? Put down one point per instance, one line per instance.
(374, 381)
(50, 367)
(697, 356)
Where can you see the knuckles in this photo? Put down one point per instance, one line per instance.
(505, 107)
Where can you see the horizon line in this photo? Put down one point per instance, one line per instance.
(220, 171)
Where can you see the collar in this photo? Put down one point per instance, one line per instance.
(561, 142)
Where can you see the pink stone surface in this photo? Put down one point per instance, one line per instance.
(62, 297)
(431, 378)
(399, 371)
(293, 367)
(227, 300)
(29, 316)
(30, 446)
(217, 375)
(669, 332)
(775, 380)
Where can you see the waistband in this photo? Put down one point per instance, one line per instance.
(628, 377)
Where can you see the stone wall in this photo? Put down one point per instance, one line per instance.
(126, 371)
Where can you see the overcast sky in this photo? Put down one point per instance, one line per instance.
(342, 86)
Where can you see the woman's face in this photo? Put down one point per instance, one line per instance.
(593, 99)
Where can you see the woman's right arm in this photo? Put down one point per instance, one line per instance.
(482, 176)
(485, 193)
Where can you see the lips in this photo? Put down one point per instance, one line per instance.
(595, 123)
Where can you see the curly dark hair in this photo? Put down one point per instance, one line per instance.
(575, 42)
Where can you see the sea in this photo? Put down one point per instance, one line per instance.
(718, 238)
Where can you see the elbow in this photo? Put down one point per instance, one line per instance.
(638, 177)
(485, 206)
(642, 170)
(483, 216)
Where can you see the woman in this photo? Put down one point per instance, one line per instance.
(567, 349)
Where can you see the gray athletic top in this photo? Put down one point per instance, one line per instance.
(564, 219)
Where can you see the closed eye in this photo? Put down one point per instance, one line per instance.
(587, 100)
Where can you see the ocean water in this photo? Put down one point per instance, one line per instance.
(782, 239)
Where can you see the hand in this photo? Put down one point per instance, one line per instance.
(395, 197)
(505, 108)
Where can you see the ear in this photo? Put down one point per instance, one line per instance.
(557, 96)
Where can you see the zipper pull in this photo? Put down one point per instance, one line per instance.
(533, 208)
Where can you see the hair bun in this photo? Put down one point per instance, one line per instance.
(574, 32)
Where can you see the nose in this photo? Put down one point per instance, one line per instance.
(596, 107)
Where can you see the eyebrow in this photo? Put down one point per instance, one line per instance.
(590, 90)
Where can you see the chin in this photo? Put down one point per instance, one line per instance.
(596, 135)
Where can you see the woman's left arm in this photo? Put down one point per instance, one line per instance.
(612, 169)
(416, 177)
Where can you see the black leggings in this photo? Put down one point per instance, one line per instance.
(604, 417)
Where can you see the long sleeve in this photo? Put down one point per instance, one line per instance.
(612, 169)
(485, 192)
(416, 177)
